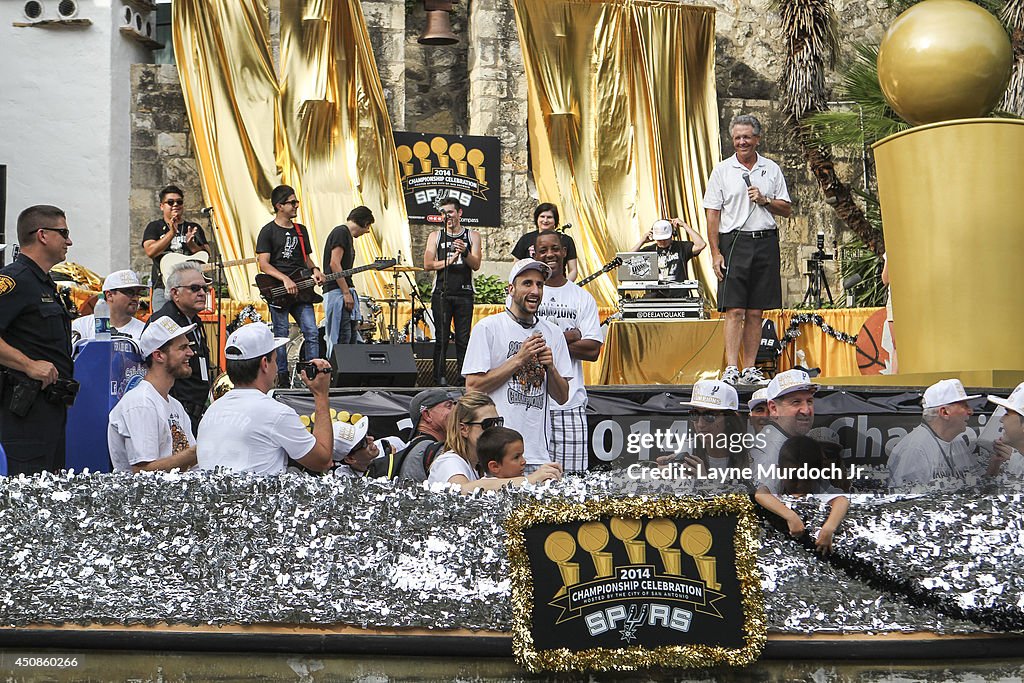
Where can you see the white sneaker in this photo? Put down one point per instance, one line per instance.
(731, 375)
(753, 376)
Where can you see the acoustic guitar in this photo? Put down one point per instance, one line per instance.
(274, 293)
(171, 259)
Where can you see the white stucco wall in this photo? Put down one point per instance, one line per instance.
(64, 113)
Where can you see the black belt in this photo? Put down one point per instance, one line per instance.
(755, 234)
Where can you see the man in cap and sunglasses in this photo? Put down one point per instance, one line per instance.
(149, 429)
(122, 290)
(170, 233)
(354, 448)
(35, 346)
(940, 446)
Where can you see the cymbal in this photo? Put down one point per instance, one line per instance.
(403, 269)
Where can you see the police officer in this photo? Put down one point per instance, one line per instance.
(35, 346)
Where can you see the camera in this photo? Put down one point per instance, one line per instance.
(310, 370)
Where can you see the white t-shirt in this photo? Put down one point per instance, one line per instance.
(144, 426)
(447, 465)
(248, 431)
(727, 192)
(523, 400)
(567, 307)
(921, 456)
(86, 327)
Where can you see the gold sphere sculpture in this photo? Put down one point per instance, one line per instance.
(943, 60)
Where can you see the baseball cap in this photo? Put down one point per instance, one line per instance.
(158, 332)
(348, 436)
(252, 341)
(714, 395)
(757, 398)
(661, 230)
(528, 264)
(426, 399)
(121, 279)
(787, 382)
(944, 392)
(1014, 402)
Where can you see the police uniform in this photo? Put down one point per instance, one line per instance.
(33, 320)
(191, 391)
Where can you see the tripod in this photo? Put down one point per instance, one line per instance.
(816, 279)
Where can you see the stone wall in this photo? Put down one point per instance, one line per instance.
(478, 87)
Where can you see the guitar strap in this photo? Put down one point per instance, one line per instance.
(299, 230)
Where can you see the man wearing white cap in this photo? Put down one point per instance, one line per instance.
(1010, 446)
(149, 429)
(248, 431)
(673, 255)
(758, 406)
(939, 446)
(790, 397)
(121, 290)
(521, 361)
(354, 449)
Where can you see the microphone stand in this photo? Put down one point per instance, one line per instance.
(438, 332)
(218, 280)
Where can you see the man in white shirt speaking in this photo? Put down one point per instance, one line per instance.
(248, 431)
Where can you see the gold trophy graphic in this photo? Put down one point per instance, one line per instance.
(422, 152)
(626, 530)
(440, 148)
(696, 541)
(559, 546)
(458, 152)
(661, 533)
(405, 156)
(475, 158)
(593, 537)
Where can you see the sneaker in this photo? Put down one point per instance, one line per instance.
(753, 376)
(731, 375)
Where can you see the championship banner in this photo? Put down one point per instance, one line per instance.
(631, 583)
(435, 166)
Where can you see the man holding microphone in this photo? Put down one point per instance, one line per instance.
(744, 195)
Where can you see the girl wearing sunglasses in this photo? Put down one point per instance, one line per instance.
(471, 416)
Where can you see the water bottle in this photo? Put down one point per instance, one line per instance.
(102, 318)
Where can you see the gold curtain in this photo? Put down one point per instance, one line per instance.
(323, 130)
(623, 119)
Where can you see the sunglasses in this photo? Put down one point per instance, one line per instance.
(705, 416)
(63, 232)
(488, 422)
(195, 289)
(293, 202)
(131, 293)
(174, 202)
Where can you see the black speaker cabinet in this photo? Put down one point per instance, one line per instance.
(374, 365)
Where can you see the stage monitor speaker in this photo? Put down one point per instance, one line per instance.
(374, 365)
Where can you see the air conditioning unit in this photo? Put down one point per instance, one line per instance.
(67, 9)
(139, 25)
(34, 11)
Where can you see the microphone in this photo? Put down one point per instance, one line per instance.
(207, 211)
(746, 179)
(567, 226)
(399, 259)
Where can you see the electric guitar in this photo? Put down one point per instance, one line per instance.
(611, 265)
(171, 259)
(274, 293)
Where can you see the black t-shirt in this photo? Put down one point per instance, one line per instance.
(524, 247)
(459, 276)
(672, 259)
(191, 389)
(158, 229)
(287, 247)
(33, 319)
(339, 237)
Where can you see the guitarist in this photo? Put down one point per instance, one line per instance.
(283, 248)
(340, 297)
(572, 310)
(170, 233)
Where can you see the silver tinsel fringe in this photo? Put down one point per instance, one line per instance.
(216, 549)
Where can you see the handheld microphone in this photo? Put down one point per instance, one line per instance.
(207, 211)
(746, 179)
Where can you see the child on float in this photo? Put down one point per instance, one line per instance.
(472, 415)
(501, 453)
(798, 454)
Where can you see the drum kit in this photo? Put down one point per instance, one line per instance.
(372, 327)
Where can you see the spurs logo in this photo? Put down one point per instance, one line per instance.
(633, 622)
(638, 266)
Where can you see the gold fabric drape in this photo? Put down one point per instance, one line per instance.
(323, 129)
(623, 119)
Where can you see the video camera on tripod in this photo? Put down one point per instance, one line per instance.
(815, 272)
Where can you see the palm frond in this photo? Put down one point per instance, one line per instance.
(809, 27)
